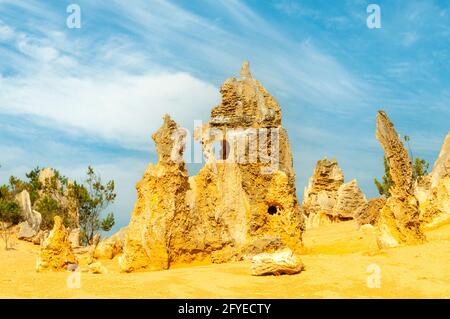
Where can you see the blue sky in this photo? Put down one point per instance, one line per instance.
(70, 98)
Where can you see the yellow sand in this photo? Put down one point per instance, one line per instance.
(336, 260)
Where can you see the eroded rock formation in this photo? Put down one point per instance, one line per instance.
(441, 168)
(369, 213)
(52, 187)
(160, 225)
(97, 268)
(433, 191)
(327, 198)
(321, 192)
(399, 218)
(249, 189)
(29, 228)
(349, 199)
(112, 246)
(241, 203)
(56, 252)
(75, 237)
(278, 263)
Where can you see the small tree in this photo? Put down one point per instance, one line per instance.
(33, 185)
(108, 222)
(49, 208)
(385, 185)
(9, 214)
(419, 168)
(93, 199)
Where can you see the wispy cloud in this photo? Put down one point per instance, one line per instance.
(117, 95)
(114, 106)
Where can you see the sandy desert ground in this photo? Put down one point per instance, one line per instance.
(336, 261)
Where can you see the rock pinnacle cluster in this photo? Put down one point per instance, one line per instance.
(241, 203)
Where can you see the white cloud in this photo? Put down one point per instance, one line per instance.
(36, 51)
(121, 94)
(113, 106)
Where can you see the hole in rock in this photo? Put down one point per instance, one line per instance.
(225, 151)
(272, 210)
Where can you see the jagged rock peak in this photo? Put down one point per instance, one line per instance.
(327, 198)
(245, 103)
(170, 141)
(56, 251)
(396, 154)
(433, 191)
(349, 199)
(320, 196)
(328, 176)
(441, 167)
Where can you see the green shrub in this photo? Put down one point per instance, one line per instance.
(49, 208)
(9, 211)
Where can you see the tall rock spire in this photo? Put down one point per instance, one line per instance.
(399, 218)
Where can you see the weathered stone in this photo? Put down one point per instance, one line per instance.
(239, 197)
(327, 198)
(26, 232)
(422, 188)
(219, 200)
(56, 253)
(399, 218)
(435, 210)
(31, 226)
(112, 246)
(277, 263)
(369, 213)
(433, 191)
(74, 237)
(161, 217)
(52, 187)
(314, 220)
(97, 268)
(321, 193)
(441, 168)
(47, 177)
(261, 245)
(40, 237)
(245, 103)
(349, 199)
(252, 180)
